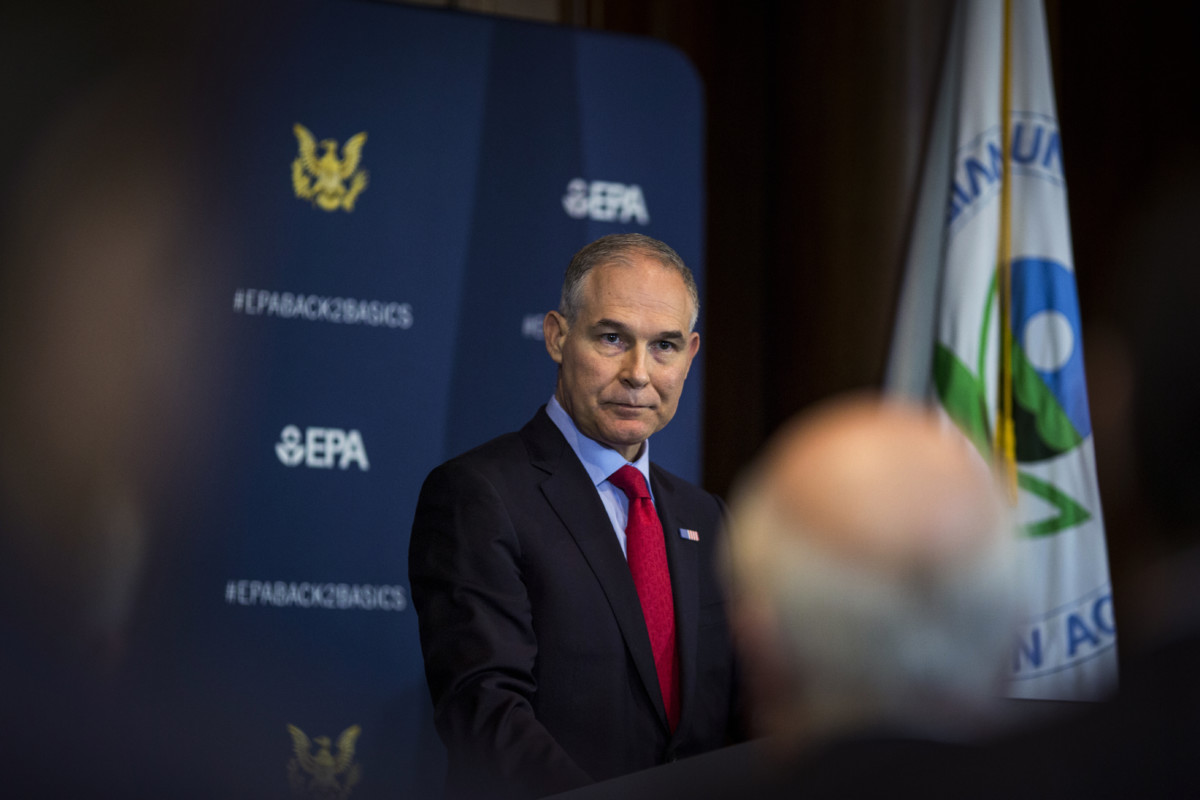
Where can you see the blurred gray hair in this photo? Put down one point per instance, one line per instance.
(617, 248)
(921, 649)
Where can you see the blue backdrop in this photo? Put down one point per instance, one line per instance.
(367, 344)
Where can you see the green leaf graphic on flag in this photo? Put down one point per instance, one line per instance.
(1043, 431)
(1070, 513)
(961, 394)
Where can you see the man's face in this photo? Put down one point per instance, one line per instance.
(623, 362)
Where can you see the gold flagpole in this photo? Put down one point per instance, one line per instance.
(1006, 442)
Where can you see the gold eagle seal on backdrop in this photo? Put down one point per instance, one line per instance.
(322, 178)
(323, 775)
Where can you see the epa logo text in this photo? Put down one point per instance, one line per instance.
(322, 448)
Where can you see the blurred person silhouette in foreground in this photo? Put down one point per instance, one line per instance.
(106, 381)
(873, 595)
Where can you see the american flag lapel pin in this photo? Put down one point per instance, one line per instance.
(689, 534)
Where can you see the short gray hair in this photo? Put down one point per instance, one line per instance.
(617, 247)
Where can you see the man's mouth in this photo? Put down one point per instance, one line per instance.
(623, 406)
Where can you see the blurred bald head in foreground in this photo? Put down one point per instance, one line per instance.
(870, 567)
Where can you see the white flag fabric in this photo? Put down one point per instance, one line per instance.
(946, 343)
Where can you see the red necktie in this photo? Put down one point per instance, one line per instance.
(647, 554)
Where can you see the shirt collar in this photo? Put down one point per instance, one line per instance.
(599, 460)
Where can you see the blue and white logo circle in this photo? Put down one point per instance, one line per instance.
(1047, 326)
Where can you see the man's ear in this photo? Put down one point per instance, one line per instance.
(554, 329)
(692, 347)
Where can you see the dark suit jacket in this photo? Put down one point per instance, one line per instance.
(536, 651)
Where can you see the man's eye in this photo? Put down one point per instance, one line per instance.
(665, 345)
(610, 338)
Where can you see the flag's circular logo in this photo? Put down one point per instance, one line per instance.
(1049, 385)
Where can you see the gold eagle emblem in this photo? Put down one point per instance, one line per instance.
(323, 775)
(322, 179)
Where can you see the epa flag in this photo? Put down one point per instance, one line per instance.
(988, 327)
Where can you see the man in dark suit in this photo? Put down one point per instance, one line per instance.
(573, 628)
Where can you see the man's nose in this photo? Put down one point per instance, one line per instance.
(633, 370)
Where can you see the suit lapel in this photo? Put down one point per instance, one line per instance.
(682, 557)
(570, 492)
